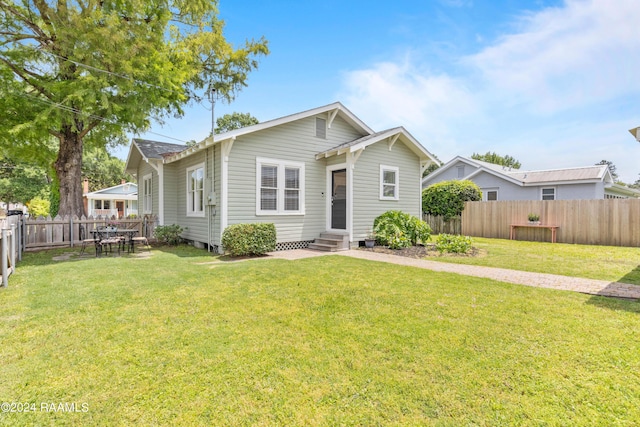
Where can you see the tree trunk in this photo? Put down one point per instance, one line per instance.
(68, 168)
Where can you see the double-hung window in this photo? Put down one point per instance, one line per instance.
(549, 193)
(280, 187)
(389, 183)
(147, 200)
(195, 190)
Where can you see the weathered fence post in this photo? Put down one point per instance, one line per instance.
(12, 247)
(3, 254)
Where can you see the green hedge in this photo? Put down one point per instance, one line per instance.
(249, 239)
(453, 244)
(447, 198)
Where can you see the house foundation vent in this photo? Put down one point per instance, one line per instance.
(287, 246)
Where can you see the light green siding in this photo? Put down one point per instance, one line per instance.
(143, 170)
(366, 185)
(175, 197)
(294, 141)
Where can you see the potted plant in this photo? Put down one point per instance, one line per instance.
(370, 240)
(534, 219)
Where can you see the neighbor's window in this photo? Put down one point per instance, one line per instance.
(389, 183)
(195, 190)
(146, 194)
(492, 195)
(280, 187)
(460, 171)
(548, 194)
(97, 204)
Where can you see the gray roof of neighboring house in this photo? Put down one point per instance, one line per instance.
(596, 172)
(156, 150)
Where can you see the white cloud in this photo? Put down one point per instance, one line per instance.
(583, 53)
(390, 94)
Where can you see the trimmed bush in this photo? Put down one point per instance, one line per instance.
(447, 198)
(398, 230)
(453, 244)
(169, 234)
(249, 239)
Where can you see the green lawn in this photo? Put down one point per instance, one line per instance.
(588, 261)
(175, 339)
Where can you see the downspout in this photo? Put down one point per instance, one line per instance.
(160, 194)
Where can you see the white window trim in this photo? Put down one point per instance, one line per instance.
(190, 169)
(486, 191)
(281, 165)
(555, 192)
(384, 168)
(147, 207)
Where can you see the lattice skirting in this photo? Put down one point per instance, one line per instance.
(287, 246)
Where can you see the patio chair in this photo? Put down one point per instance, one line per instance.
(86, 240)
(107, 239)
(140, 240)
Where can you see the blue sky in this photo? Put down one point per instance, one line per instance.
(552, 83)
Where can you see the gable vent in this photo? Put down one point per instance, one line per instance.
(321, 128)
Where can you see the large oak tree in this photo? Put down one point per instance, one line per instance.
(86, 72)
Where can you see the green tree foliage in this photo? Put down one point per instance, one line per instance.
(497, 159)
(235, 121)
(398, 230)
(89, 72)
(447, 198)
(102, 169)
(20, 182)
(432, 167)
(39, 206)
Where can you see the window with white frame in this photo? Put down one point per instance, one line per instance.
(389, 183)
(147, 200)
(549, 193)
(279, 187)
(460, 171)
(195, 190)
(321, 128)
(492, 195)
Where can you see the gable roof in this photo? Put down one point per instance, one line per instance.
(147, 150)
(126, 191)
(575, 175)
(394, 134)
(332, 110)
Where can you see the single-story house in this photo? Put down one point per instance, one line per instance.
(321, 170)
(503, 183)
(118, 201)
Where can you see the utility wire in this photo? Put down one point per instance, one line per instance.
(92, 116)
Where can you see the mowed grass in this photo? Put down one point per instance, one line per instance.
(589, 261)
(181, 338)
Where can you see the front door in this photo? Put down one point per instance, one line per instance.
(339, 199)
(120, 208)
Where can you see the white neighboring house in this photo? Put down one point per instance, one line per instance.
(503, 183)
(119, 201)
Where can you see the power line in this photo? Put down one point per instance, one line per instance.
(93, 116)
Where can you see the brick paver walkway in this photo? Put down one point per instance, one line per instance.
(541, 280)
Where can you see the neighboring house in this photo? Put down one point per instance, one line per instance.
(503, 183)
(317, 170)
(119, 201)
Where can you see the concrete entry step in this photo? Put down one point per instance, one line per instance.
(331, 241)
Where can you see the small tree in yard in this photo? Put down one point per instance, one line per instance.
(447, 198)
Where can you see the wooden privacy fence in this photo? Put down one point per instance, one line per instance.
(439, 225)
(44, 233)
(613, 222)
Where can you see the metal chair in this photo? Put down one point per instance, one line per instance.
(107, 238)
(140, 240)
